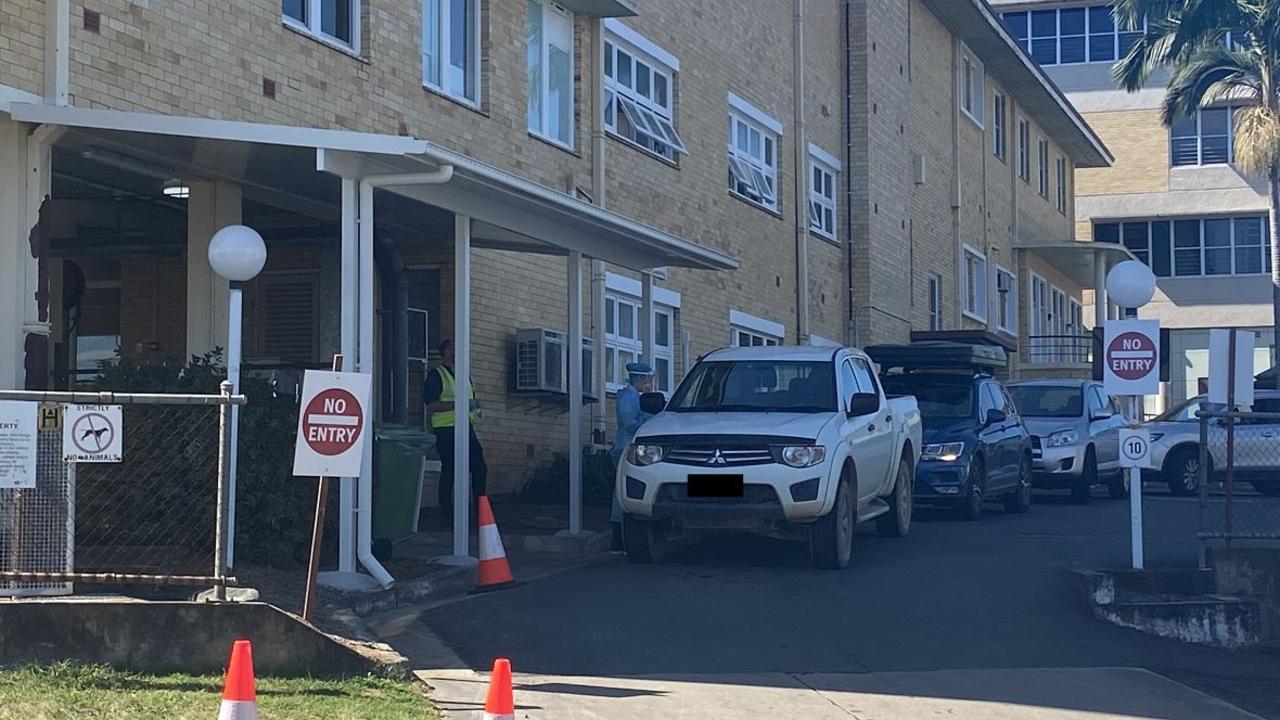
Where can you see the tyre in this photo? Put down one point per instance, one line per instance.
(831, 536)
(897, 522)
(643, 539)
(1267, 486)
(1182, 471)
(970, 507)
(1018, 500)
(1082, 487)
(1118, 486)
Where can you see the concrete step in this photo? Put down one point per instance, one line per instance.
(1106, 587)
(1217, 620)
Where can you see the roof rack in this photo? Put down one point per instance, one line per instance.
(939, 355)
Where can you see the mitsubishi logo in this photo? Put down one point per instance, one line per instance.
(717, 459)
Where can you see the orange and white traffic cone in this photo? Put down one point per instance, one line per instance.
(500, 703)
(239, 699)
(494, 570)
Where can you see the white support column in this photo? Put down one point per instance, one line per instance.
(57, 39)
(1099, 289)
(462, 380)
(211, 207)
(646, 317)
(573, 282)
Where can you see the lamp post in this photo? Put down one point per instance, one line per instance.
(1131, 285)
(237, 254)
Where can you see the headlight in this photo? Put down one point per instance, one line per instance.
(1063, 438)
(946, 452)
(799, 456)
(640, 454)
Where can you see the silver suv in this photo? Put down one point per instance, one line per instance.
(1175, 446)
(1075, 435)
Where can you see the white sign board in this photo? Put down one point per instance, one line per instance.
(1135, 448)
(17, 444)
(1220, 366)
(93, 434)
(1131, 357)
(333, 423)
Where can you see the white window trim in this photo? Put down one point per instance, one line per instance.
(542, 133)
(1011, 296)
(979, 86)
(1062, 177)
(1199, 138)
(443, 52)
(618, 29)
(740, 111)
(758, 325)
(1149, 248)
(1000, 125)
(660, 62)
(1042, 168)
(630, 286)
(635, 346)
(935, 300)
(314, 13)
(755, 113)
(820, 160)
(981, 302)
(1024, 149)
(1089, 35)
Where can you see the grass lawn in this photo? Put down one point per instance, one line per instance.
(70, 692)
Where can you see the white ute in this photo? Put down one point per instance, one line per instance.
(784, 441)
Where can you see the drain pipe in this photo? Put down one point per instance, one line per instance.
(846, 20)
(364, 499)
(599, 423)
(57, 39)
(802, 177)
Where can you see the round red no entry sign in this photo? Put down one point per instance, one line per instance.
(332, 422)
(1132, 356)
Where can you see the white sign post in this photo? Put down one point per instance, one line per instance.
(17, 444)
(93, 434)
(332, 424)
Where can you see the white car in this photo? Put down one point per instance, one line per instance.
(1175, 446)
(785, 441)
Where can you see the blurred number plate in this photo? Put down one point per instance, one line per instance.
(715, 486)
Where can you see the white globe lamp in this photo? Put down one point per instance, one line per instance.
(237, 253)
(1131, 284)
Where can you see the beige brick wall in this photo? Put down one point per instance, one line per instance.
(22, 45)
(1140, 143)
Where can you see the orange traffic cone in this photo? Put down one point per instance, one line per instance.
(500, 703)
(239, 699)
(494, 569)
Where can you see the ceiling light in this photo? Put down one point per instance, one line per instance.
(175, 188)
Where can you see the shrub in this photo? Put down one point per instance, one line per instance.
(548, 482)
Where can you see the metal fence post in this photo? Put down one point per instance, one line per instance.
(220, 521)
(1203, 472)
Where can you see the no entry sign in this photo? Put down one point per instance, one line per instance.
(332, 424)
(1131, 360)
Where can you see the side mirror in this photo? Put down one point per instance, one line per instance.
(863, 404)
(1099, 416)
(653, 403)
(996, 416)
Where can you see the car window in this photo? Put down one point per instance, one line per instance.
(1063, 401)
(1010, 408)
(1095, 403)
(862, 373)
(936, 396)
(757, 386)
(986, 401)
(848, 383)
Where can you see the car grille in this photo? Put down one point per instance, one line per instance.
(751, 495)
(1036, 450)
(718, 457)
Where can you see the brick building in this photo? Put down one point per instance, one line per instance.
(629, 167)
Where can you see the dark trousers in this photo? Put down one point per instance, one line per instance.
(479, 470)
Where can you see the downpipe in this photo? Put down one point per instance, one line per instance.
(802, 177)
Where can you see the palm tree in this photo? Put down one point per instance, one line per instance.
(1216, 50)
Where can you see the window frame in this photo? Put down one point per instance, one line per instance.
(968, 292)
(935, 301)
(1060, 170)
(444, 40)
(615, 342)
(746, 171)
(1020, 25)
(1042, 169)
(1006, 301)
(653, 125)
(824, 166)
(999, 122)
(741, 324)
(558, 19)
(1024, 149)
(312, 23)
(972, 79)
(1199, 137)
(1144, 246)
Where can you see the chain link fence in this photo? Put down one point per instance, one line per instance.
(1239, 477)
(154, 517)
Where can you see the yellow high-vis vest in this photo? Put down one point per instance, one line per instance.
(448, 393)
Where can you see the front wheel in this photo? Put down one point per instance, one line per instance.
(1118, 486)
(643, 539)
(1182, 471)
(897, 522)
(970, 507)
(1082, 486)
(1018, 500)
(831, 536)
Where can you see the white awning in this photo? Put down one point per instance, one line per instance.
(1074, 258)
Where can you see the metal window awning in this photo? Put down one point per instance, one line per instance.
(600, 8)
(281, 162)
(1074, 258)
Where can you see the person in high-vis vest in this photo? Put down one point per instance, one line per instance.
(439, 396)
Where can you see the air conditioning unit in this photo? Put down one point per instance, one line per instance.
(542, 362)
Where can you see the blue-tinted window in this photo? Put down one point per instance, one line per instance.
(1106, 232)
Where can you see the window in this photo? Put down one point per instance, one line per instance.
(1195, 247)
(549, 69)
(639, 89)
(334, 21)
(97, 320)
(1024, 149)
(822, 192)
(1038, 297)
(1042, 151)
(999, 144)
(451, 48)
(974, 281)
(750, 331)
(971, 85)
(1006, 301)
(1060, 170)
(753, 154)
(623, 343)
(935, 302)
(1204, 138)
(1069, 36)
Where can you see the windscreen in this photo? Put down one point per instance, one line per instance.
(757, 386)
(1048, 400)
(937, 397)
